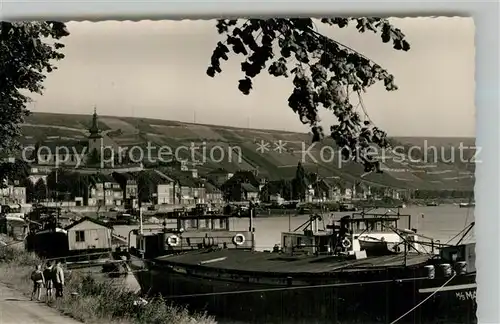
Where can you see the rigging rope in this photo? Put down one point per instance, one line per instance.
(423, 301)
(346, 284)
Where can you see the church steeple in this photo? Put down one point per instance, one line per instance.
(94, 130)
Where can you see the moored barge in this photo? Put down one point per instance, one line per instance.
(323, 276)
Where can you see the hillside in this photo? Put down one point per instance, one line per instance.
(240, 149)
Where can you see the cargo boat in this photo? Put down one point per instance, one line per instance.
(322, 276)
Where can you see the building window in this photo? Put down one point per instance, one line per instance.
(80, 236)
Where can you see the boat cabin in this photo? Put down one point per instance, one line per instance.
(81, 238)
(201, 209)
(190, 232)
(376, 234)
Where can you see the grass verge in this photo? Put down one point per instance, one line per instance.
(92, 301)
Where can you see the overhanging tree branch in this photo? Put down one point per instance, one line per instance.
(325, 71)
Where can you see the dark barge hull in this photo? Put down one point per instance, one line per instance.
(378, 296)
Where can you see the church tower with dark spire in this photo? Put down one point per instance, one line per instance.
(94, 130)
(95, 137)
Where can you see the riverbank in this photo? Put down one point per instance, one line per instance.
(90, 301)
(17, 308)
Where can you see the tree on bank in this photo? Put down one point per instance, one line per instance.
(324, 71)
(299, 183)
(27, 52)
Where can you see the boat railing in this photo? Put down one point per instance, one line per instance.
(87, 257)
(408, 239)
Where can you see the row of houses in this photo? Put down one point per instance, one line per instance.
(174, 186)
(162, 186)
(247, 185)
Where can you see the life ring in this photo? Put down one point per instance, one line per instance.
(239, 239)
(346, 243)
(173, 240)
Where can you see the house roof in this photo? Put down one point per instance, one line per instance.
(219, 171)
(158, 177)
(101, 177)
(184, 178)
(127, 176)
(249, 188)
(242, 177)
(95, 221)
(217, 182)
(211, 188)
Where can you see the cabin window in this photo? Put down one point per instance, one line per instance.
(299, 241)
(386, 226)
(362, 226)
(204, 223)
(80, 236)
(370, 226)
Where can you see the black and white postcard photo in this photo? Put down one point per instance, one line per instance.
(280, 170)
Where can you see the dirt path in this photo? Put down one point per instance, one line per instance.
(16, 308)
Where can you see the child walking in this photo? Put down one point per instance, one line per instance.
(59, 280)
(49, 275)
(38, 280)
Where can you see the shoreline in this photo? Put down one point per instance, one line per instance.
(89, 300)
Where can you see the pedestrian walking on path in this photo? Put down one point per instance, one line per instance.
(38, 280)
(49, 274)
(59, 280)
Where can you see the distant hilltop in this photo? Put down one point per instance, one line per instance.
(436, 163)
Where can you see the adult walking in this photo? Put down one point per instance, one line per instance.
(59, 280)
(38, 280)
(49, 275)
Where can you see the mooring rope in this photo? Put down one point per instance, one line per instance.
(423, 301)
(336, 285)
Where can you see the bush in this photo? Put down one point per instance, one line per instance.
(93, 301)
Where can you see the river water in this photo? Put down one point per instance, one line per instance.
(441, 223)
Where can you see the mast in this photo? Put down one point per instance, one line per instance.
(251, 229)
(57, 197)
(140, 220)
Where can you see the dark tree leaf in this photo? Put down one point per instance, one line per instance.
(26, 53)
(324, 72)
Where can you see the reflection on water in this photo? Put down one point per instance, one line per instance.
(441, 223)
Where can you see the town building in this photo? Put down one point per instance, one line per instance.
(164, 192)
(14, 192)
(213, 194)
(218, 177)
(188, 190)
(105, 191)
(242, 191)
(130, 189)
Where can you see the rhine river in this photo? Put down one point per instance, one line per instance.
(441, 223)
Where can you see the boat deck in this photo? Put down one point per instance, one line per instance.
(241, 260)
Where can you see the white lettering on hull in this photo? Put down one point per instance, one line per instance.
(467, 295)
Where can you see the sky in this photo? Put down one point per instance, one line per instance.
(157, 69)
